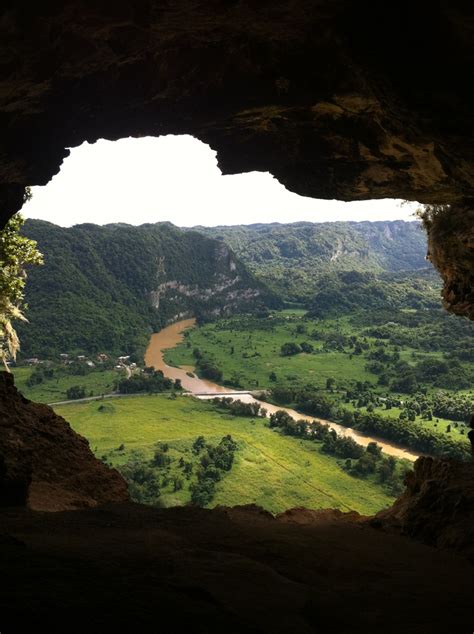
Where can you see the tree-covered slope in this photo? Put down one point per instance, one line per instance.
(106, 288)
(342, 292)
(291, 257)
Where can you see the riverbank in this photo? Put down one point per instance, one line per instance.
(173, 335)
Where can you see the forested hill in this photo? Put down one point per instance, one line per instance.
(290, 258)
(106, 288)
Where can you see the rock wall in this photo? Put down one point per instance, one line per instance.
(44, 464)
(437, 506)
(451, 250)
(127, 568)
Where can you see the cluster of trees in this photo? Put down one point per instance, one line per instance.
(403, 377)
(75, 392)
(346, 292)
(214, 462)
(143, 478)
(455, 407)
(427, 331)
(148, 478)
(332, 443)
(452, 406)
(150, 380)
(306, 400)
(207, 367)
(445, 373)
(291, 348)
(239, 408)
(407, 433)
(40, 374)
(403, 430)
(359, 461)
(49, 371)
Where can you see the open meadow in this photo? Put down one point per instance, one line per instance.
(54, 388)
(248, 350)
(274, 471)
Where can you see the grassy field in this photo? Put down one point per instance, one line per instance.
(274, 471)
(250, 356)
(52, 390)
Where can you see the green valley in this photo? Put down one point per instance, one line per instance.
(371, 350)
(274, 471)
(406, 380)
(106, 289)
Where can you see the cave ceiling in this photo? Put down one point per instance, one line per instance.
(337, 99)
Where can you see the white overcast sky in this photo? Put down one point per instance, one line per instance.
(176, 178)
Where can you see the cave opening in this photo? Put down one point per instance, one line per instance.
(176, 178)
(337, 100)
(145, 236)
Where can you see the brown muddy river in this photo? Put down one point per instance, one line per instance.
(170, 336)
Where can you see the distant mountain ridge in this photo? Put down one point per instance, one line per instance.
(290, 258)
(106, 288)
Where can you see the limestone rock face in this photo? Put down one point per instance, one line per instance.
(44, 464)
(451, 250)
(437, 506)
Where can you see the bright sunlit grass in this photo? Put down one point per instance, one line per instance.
(274, 471)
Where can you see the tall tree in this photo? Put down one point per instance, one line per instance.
(16, 252)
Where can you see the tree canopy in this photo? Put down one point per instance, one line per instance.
(16, 252)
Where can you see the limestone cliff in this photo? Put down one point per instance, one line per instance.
(451, 249)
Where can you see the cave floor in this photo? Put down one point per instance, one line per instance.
(132, 568)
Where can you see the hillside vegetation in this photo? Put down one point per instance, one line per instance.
(290, 258)
(344, 292)
(105, 289)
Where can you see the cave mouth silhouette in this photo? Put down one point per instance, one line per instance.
(177, 179)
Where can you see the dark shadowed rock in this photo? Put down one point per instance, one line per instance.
(337, 99)
(451, 250)
(321, 517)
(130, 568)
(437, 506)
(44, 463)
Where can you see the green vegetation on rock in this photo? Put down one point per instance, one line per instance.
(16, 253)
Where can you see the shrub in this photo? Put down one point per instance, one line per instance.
(75, 392)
